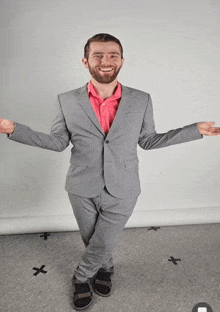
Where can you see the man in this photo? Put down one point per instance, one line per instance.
(104, 121)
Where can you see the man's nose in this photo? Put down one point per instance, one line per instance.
(105, 59)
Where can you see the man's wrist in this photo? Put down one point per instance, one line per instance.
(11, 128)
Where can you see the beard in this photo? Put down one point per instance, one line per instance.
(104, 78)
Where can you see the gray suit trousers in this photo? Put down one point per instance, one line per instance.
(101, 221)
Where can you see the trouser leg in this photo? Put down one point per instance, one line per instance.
(86, 211)
(86, 215)
(111, 215)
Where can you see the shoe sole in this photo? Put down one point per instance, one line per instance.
(100, 294)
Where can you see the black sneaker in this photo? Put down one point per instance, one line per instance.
(102, 284)
(82, 296)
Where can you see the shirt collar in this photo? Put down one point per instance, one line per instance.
(116, 95)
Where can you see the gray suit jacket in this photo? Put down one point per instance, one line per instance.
(98, 160)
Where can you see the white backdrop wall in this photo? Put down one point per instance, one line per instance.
(171, 50)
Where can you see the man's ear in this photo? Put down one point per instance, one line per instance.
(85, 62)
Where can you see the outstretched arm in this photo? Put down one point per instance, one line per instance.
(150, 139)
(57, 140)
(206, 128)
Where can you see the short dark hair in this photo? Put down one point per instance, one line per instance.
(101, 38)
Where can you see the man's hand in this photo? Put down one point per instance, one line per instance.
(206, 128)
(6, 126)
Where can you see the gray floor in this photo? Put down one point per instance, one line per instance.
(145, 279)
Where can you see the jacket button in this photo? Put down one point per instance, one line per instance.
(107, 141)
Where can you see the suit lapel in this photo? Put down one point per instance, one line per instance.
(122, 108)
(83, 99)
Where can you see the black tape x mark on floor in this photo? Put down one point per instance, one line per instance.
(172, 259)
(39, 270)
(155, 228)
(45, 235)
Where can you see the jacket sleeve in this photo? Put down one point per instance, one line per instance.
(57, 140)
(150, 139)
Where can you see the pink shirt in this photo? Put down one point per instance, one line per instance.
(105, 110)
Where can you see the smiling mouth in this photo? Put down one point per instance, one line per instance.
(106, 70)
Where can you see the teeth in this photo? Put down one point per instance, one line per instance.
(106, 69)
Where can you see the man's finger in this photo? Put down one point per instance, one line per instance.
(210, 123)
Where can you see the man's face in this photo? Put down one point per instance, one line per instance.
(104, 61)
